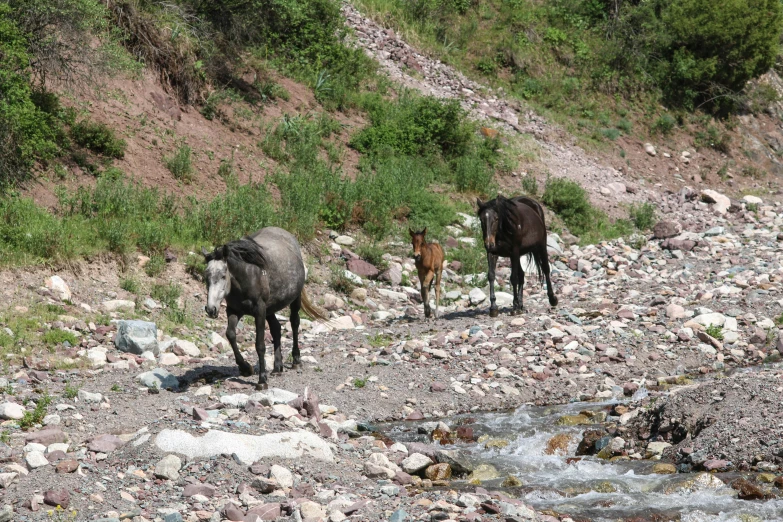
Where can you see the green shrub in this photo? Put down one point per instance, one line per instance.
(131, 285)
(56, 336)
(643, 216)
(530, 185)
(179, 164)
(36, 416)
(715, 331)
(471, 174)
(99, 138)
(373, 254)
(166, 293)
(664, 125)
(339, 282)
(155, 266)
(569, 201)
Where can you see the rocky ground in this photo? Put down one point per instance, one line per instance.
(101, 413)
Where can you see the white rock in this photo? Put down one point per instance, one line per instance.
(283, 477)
(713, 318)
(415, 463)
(342, 323)
(215, 339)
(11, 410)
(649, 149)
(97, 356)
(477, 296)
(190, 349)
(753, 200)
(168, 467)
(720, 202)
(36, 459)
(247, 448)
(237, 400)
(344, 240)
(168, 359)
(119, 304)
(59, 288)
(89, 396)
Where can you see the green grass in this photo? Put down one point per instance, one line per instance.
(70, 392)
(129, 284)
(55, 337)
(379, 340)
(99, 138)
(155, 266)
(166, 293)
(715, 331)
(36, 416)
(643, 215)
(339, 282)
(180, 165)
(359, 382)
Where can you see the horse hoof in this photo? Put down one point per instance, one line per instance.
(261, 387)
(246, 371)
(296, 366)
(276, 371)
(493, 312)
(553, 301)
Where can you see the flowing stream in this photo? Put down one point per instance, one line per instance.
(588, 486)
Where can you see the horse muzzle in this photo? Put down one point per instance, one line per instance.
(211, 311)
(490, 245)
(417, 257)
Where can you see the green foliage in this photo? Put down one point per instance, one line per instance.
(530, 185)
(360, 382)
(70, 392)
(715, 331)
(166, 293)
(179, 164)
(643, 215)
(56, 336)
(415, 125)
(373, 254)
(155, 266)
(339, 282)
(379, 340)
(99, 138)
(36, 416)
(714, 139)
(131, 285)
(664, 125)
(570, 202)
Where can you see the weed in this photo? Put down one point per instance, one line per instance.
(752, 207)
(643, 216)
(5, 437)
(179, 164)
(131, 285)
(610, 134)
(751, 171)
(56, 337)
(99, 138)
(36, 416)
(664, 125)
(625, 126)
(116, 387)
(168, 294)
(339, 282)
(226, 168)
(379, 340)
(71, 392)
(530, 185)
(155, 266)
(373, 254)
(715, 331)
(714, 139)
(359, 382)
(195, 266)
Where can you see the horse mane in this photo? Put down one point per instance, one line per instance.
(505, 211)
(244, 249)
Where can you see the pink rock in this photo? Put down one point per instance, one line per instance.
(57, 497)
(46, 437)
(105, 443)
(232, 512)
(199, 489)
(362, 268)
(265, 511)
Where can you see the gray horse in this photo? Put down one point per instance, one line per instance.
(259, 275)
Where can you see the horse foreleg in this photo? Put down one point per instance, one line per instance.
(295, 306)
(261, 348)
(492, 262)
(276, 330)
(425, 293)
(245, 369)
(515, 269)
(437, 290)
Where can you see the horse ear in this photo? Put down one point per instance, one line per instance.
(424, 232)
(225, 251)
(501, 197)
(479, 203)
(208, 256)
(411, 232)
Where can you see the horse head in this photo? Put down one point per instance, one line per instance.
(488, 217)
(417, 241)
(217, 278)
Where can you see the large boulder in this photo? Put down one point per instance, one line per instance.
(362, 268)
(720, 203)
(59, 288)
(666, 229)
(136, 337)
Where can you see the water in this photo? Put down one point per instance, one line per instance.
(590, 487)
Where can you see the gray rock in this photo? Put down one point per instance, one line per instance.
(283, 477)
(11, 410)
(477, 296)
(245, 448)
(168, 467)
(274, 396)
(35, 459)
(136, 337)
(7, 513)
(415, 463)
(90, 397)
(159, 378)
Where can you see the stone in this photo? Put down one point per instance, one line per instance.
(187, 348)
(168, 359)
(105, 443)
(415, 463)
(664, 468)
(649, 149)
(90, 397)
(206, 490)
(58, 287)
(656, 448)
(215, 339)
(232, 512)
(57, 497)
(6, 479)
(46, 436)
(710, 319)
(168, 467)
(483, 472)
(666, 229)
(119, 304)
(311, 511)
(136, 337)
(477, 296)
(265, 511)
(675, 311)
(159, 378)
(438, 472)
(245, 448)
(454, 458)
(753, 200)
(392, 275)
(399, 516)
(67, 466)
(36, 459)
(274, 396)
(282, 476)
(362, 268)
(7, 513)
(11, 410)
(720, 202)
(359, 294)
(344, 240)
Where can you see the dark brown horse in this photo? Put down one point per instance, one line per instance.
(429, 263)
(513, 228)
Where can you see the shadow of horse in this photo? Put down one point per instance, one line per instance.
(211, 374)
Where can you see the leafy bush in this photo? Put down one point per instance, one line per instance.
(664, 125)
(155, 266)
(166, 293)
(131, 285)
(36, 416)
(415, 125)
(530, 185)
(179, 164)
(643, 216)
(56, 336)
(99, 138)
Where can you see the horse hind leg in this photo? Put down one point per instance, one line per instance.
(437, 291)
(544, 262)
(425, 294)
(276, 330)
(515, 270)
(295, 306)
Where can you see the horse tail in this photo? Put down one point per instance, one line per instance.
(312, 310)
(538, 259)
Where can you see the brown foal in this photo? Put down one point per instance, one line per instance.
(429, 263)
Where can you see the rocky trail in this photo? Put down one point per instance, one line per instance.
(132, 422)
